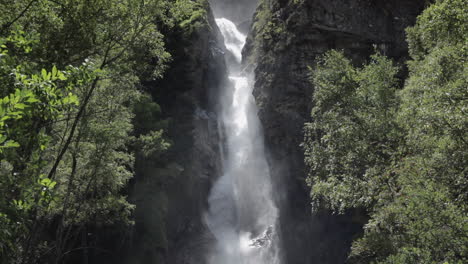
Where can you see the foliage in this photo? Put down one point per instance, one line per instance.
(422, 224)
(70, 74)
(30, 102)
(352, 135)
(444, 22)
(400, 154)
(189, 14)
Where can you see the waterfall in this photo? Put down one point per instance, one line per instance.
(241, 215)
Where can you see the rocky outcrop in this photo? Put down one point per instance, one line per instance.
(171, 194)
(286, 39)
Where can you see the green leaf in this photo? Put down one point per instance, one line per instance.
(44, 75)
(32, 100)
(20, 106)
(54, 72)
(61, 76)
(11, 144)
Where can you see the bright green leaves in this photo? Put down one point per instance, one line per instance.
(7, 143)
(67, 88)
(42, 96)
(46, 183)
(53, 75)
(71, 99)
(12, 108)
(33, 98)
(46, 186)
(21, 40)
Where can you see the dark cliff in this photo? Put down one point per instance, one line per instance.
(286, 38)
(170, 194)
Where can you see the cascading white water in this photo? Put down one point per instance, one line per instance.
(242, 214)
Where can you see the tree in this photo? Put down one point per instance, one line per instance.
(399, 154)
(353, 135)
(29, 102)
(65, 134)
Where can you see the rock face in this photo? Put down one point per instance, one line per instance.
(286, 39)
(171, 195)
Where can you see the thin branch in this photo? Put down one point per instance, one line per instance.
(73, 129)
(71, 118)
(7, 25)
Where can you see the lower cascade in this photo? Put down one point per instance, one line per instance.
(242, 214)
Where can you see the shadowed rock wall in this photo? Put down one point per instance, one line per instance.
(171, 194)
(286, 39)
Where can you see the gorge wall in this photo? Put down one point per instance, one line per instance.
(286, 38)
(171, 194)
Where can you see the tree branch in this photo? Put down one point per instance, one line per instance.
(7, 25)
(73, 128)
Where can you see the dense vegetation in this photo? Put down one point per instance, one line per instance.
(397, 150)
(74, 115)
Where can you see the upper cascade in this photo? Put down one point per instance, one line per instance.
(234, 40)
